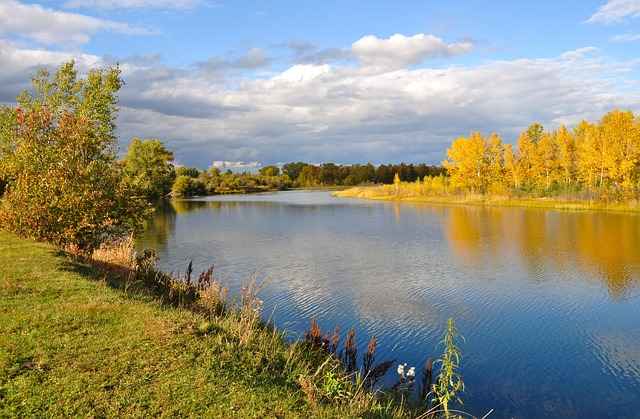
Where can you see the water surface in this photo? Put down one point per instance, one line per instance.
(548, 301)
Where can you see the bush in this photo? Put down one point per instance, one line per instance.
(63, 182)
(186, 186)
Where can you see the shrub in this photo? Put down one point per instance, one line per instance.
(186, 186)
(63, 182)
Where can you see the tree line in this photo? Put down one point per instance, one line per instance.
(192, 181)
(148, 167)
(597, 160)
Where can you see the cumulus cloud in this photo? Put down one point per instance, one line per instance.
(347, 113)
(17, 65)
(49, 26)
(616, 11)
(131, 4)
(400, 51)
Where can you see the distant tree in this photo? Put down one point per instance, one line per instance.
(64, 184)
(293, 170)
(186, 186)
(148, 168)
(193, 172)
(270, 171)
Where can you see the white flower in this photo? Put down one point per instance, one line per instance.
(401, 369)
(411, 372)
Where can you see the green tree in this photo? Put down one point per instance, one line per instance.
(193, 172)
(293, 170)
(148, 168)
(64, 184)
(270, 171)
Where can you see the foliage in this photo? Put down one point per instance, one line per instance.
(330, 174)
(148, 168)
(601, 159)
(193, 172)
(63, 182)
(185, 186)
(270, 171)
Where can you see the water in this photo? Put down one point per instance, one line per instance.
(548, 301)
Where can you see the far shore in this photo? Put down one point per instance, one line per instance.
(375, 193)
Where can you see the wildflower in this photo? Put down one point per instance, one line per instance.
(401, 369)
(412, 372)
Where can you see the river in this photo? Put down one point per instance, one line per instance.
(548, 301)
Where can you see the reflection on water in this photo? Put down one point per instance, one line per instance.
(603, 245)
(547, 300)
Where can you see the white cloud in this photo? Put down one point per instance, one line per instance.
(616, 11)
(347, 113)
(627, 37)
(131, 4)
(400, 51)
(320, 112)
(235, 165)
(49, 26)
(17, 65)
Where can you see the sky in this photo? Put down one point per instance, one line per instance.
(266, 82)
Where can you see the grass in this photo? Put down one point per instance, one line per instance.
(76, 341)
(407, 193)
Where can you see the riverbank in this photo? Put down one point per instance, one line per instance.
(387, 193)
(76, 340)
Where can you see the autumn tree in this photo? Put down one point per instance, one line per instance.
(466, 163)
(547, 158)
(512, 166)
(566, 147)
(64, 184)
(495, 173)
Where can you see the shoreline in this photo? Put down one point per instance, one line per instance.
(498, 201)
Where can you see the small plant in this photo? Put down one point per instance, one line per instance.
(449, 383)
(335, 387)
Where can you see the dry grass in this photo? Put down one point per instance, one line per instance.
(417, 192)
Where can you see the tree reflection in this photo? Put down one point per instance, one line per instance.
(601, 244)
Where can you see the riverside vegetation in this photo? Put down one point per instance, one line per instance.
(595, 165)
(90, 327)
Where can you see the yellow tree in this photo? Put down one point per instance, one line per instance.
(466, 163)
(512, 165)
(496, 181)
(530, 164)
(620, 135)
(587, 153)
(546, 153)
(566, 146)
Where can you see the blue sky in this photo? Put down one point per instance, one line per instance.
(340, 81)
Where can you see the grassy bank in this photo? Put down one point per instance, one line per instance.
(76, 341)
(389, 193)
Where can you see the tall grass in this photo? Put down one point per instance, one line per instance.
(325, 367)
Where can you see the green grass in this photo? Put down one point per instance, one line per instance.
(72, 343)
